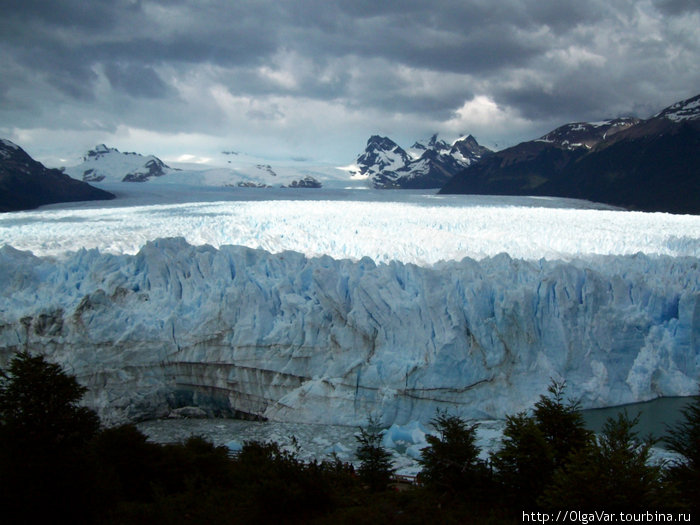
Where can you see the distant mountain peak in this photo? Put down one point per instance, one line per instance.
(8, 144)
(427, 164)
(464, 136)
(432, 142)
(101, 148)
(11, 151)
(103, 163)
(380, 141)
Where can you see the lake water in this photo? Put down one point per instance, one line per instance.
(654, 416)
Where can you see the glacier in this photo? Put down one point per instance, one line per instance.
(411, 227)
(235, 308)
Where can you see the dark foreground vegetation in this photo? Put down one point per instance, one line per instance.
(57, 465)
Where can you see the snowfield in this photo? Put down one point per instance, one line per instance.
(328, 306)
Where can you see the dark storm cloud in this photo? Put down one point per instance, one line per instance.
(66, 39)
(467, 37)
(96, 15)
(677, 7)
(136, 80)
(107, 62)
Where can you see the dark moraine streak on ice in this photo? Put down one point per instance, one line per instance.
(289, 337)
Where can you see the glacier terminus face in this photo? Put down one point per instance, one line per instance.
(332, 308)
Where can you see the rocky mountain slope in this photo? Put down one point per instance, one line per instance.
(26, 183)
(427, 164)
(648, 165)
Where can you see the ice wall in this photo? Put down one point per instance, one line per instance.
(288, 337)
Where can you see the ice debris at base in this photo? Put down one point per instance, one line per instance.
(234, 446)
(307, 442)
(408, 439)
(315, 442)
(291, 338)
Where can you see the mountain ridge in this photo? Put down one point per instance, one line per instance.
(646, 165)
(109, 165)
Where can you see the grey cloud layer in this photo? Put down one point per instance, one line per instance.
(545, 60)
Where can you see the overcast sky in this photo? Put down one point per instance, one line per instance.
(315, 78)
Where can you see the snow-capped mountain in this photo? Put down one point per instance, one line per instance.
(465, 149)
(648, 165)
(257, 175)
(26, 183)
(382, 154)
(108, 165)
(104, 164)
(427, 164)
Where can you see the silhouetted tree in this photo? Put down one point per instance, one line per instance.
(451, 461)
(375, 461)
(561, 423)
(45, 466)
(534, 447)
(611, 472)
(129, 466)
(278, 484)
(39, 406)
(684, 474)
(525, 462)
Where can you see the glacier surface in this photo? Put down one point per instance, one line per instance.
(406, 226)
(330, 311)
